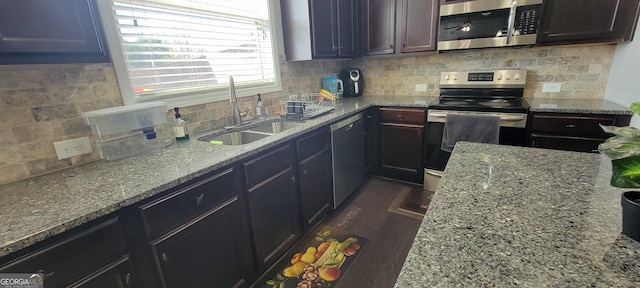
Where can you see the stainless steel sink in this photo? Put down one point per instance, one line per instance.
(235, 138)
(249, 133)
(274, 126)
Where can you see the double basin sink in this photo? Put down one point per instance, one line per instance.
(247, 133)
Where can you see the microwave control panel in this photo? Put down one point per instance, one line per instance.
(528, 19)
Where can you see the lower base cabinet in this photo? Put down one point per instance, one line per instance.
(97, 254)
(273, 203)
(205, 252)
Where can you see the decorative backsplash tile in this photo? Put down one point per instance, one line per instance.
(43, 104)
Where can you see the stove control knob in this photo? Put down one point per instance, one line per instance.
(455, 76)
(447, 77)
(517, 77)
(499, 76)
(508, 76)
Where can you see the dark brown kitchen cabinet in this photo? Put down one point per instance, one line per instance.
(408, 24)
(370, 130)
(571, 132)
(116, 275)
(79, 257)
(320, 29)
(199, 236)
(416, 36)
(379, 27)
(43, 32)
(401, 138)
(588, 21)
(273, 200)
(314, 170)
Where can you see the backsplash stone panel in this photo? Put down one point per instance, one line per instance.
(42, 104)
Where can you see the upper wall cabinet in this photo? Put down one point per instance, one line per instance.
(588, 21)
(43, 32)
(408, 24)
(320, 29)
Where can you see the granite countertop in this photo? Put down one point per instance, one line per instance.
(40, 207)
(37, 208)
(594, 106)
(506, 216)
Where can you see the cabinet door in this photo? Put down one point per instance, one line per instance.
(379, 26)
(210, 251)
(315, 187)
(117, 275)
(419, 23)
(588, 21)
(401, 150)
(323, 30)
(75, 257)
(38, 31)
(347, 27)
(273, 206)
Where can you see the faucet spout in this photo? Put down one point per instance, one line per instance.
(237, 118)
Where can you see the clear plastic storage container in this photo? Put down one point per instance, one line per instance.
(126, 131)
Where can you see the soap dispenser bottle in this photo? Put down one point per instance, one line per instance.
(180, 128)
(260, 111)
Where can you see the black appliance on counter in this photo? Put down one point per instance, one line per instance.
(353, 82)
(496, 93)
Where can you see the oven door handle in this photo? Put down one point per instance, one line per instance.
(502, 118)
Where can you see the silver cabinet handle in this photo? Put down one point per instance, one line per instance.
(293, 178)
(164, 257)
(305, 171)
(127, 279)
(570, 126)
(199, 199)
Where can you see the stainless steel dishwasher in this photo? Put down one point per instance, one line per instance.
(347, 143)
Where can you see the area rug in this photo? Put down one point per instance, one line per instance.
(320, 260)
(412, 202)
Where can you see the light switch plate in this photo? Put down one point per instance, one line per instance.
(72, 147)
(551, 87)
(421, 87)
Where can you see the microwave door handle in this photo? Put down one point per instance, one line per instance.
(512, 21)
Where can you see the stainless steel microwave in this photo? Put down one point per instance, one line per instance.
(488, 23)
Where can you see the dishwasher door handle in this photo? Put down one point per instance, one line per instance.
(348, 127)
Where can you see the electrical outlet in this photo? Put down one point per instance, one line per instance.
(421, 87)
(72, 147)
(551, 87)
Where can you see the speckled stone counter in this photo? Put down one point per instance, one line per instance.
(37, 208)
(507, 216)
(593, 106)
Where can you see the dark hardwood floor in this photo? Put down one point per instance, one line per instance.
(390, 234)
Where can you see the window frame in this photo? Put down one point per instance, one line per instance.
(192, 98)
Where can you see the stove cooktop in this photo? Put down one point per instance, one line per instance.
(513, 105)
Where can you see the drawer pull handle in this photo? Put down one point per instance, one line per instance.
(199, 199)
(127, 279)
(305, 171)
(293, 178)
(571, 125)
(45, 275)
(164, 257)
(400, 116)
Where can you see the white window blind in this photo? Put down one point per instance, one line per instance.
(173, 48)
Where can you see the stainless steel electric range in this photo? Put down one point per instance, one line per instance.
(497, 93)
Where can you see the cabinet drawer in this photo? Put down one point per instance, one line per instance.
(187, 203)
(312, 143)
(75, 257)
(579, 144)
(572, 125)
(402, 115)
(271, 162)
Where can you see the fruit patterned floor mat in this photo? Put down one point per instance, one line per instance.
(321, 260)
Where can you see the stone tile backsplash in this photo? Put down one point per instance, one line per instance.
(43, 104)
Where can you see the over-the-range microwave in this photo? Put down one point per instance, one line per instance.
(488, 23)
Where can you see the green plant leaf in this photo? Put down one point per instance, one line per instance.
(620, 147)
(635, 107)
(626, 172)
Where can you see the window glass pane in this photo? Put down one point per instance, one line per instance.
(180, 46)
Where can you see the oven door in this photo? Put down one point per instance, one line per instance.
(512, 132)
(488, 23)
